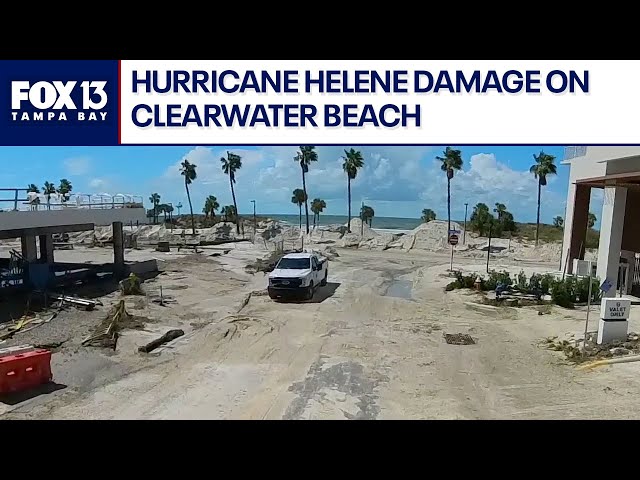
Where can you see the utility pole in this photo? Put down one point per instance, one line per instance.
(254, 220)
(489, 246)
(362, 220)
(464, 233)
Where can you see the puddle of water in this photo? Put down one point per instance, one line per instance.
(400, 289)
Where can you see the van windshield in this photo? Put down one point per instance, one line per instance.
(295, 263)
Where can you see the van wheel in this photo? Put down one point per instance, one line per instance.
(324, 280)
(309, 294)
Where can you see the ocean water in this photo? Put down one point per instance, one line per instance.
(394, 223)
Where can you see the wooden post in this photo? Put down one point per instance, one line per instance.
(118, 248)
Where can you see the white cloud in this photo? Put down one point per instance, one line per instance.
(77, 166)
(397, 181)
(489, 181)
(97, 183)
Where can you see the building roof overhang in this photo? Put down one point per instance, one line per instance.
(628, 180)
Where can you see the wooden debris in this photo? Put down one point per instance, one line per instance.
(107, 333)
(84, 303)
(167, 337)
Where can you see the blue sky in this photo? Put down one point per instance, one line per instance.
(396, 181)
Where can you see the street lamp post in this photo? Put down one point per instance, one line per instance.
(254, 219)
(464, 234)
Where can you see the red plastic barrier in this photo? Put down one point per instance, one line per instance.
(25, 370)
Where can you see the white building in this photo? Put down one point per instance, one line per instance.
(617, 171)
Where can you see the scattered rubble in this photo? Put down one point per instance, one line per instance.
(573, 350)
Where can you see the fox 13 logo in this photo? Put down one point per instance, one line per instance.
(58, 101)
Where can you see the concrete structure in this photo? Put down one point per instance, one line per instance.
(32, 224)
(616, 170)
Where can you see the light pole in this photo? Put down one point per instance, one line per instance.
(254, 219)
(464, 234)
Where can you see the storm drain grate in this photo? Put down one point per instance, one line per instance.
(458, 339)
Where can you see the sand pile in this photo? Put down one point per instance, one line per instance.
(429, 236)
(359, 234)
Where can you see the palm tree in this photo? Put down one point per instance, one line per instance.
(544, 166)
(48, 190)
(591, 220)
(188, 171)
(64, 189)
(500, 209)
(299, 198)
(451, 162)
(229, 213)
(155, 201)
(210, 206)
(179, 206)
(317, 206)
(164, 209)
(352, 162)
(305, 156)
(167, 209)
(428, 215)
(366, 214)
(230, 166)
(33, 188)
(558, 222)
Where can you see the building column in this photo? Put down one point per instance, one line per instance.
(46, 248)
(118, 248)
(29, 250)
(611, 229)
(575, 225)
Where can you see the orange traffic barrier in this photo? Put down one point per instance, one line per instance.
(26, 370)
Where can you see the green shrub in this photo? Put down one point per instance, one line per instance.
(582, 290)
(521, 280)
(495, 278)
(545, 283)
(561, 294)
(465, 281)
(452, 286)
(572, 289)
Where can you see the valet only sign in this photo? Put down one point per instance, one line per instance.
(615, 309)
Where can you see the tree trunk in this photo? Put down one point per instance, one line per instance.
(165, 216)
(306, 204)
(300, 210)
(538, 214)
(448, 205)
(193, 222)
(235, 205)
(349, 203)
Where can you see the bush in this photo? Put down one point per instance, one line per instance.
(452, 286)
(522, 281)
(545, 283)
(572, 289)
(465, 281)
(495, 278)
(582, 290)
(561, 294)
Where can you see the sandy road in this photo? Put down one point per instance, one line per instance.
(356, 353)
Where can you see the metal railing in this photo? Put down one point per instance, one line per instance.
(58, 201)
(574, 152)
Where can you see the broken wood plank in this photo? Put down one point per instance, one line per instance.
(167, 337)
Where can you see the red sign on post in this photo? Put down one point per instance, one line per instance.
(453, 239)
